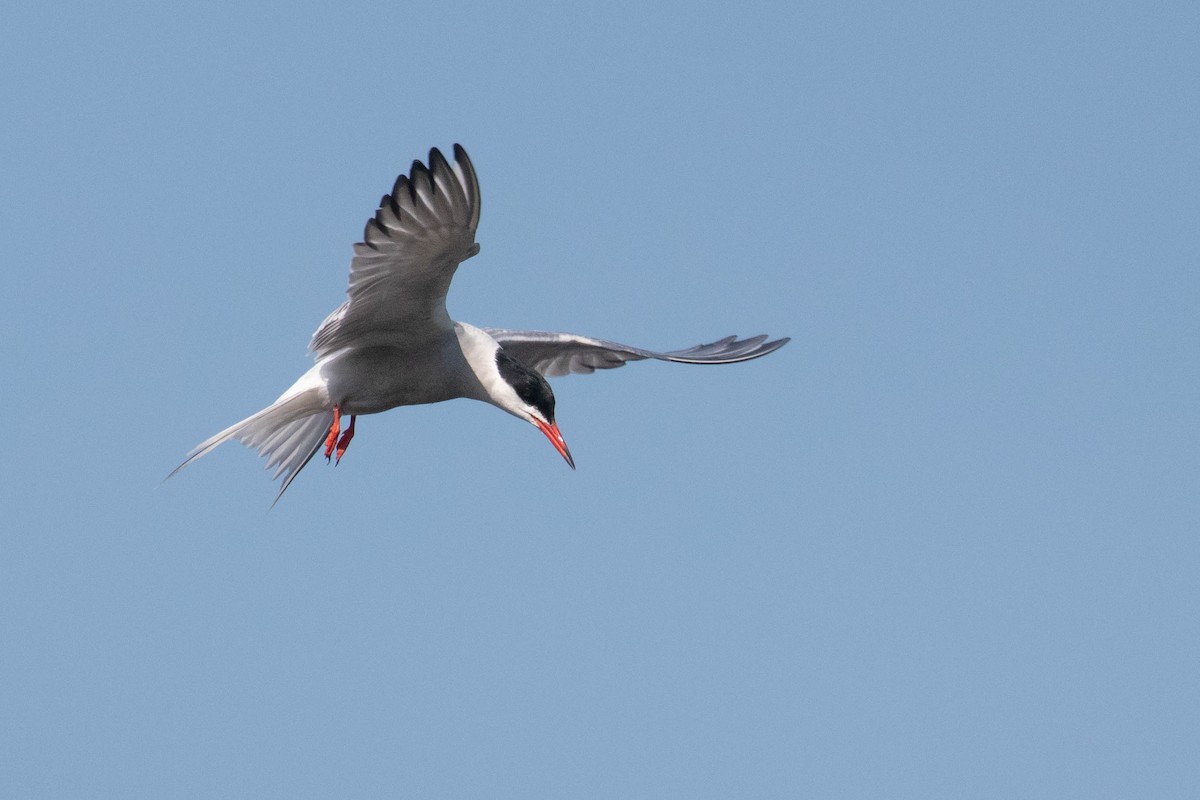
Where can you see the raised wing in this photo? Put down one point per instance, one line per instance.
(555, 354)
(402, 268)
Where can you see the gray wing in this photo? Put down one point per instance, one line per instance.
(402, 268)
(555, 354)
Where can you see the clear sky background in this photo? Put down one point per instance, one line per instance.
(942, 545)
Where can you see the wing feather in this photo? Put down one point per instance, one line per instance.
(402, 268)
(556, 354)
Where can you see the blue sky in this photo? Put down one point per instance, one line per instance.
(943, 544)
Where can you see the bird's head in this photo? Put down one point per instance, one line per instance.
(534, 401)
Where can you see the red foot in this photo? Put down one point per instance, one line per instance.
(331, 439)
(344, 442)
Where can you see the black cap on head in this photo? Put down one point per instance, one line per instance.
(527, 383)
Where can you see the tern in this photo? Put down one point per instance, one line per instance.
(392, 343)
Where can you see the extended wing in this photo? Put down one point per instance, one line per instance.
(401, 271)
(555, 354)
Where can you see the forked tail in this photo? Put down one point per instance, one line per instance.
(288, 433)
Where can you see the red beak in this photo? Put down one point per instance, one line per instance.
(556, 439)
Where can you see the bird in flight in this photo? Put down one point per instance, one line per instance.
(392, 343)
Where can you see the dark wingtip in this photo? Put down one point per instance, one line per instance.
(437, 161)
(766, 348)
(401, 185)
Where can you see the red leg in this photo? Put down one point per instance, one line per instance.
(332, 438)
(344, 442)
